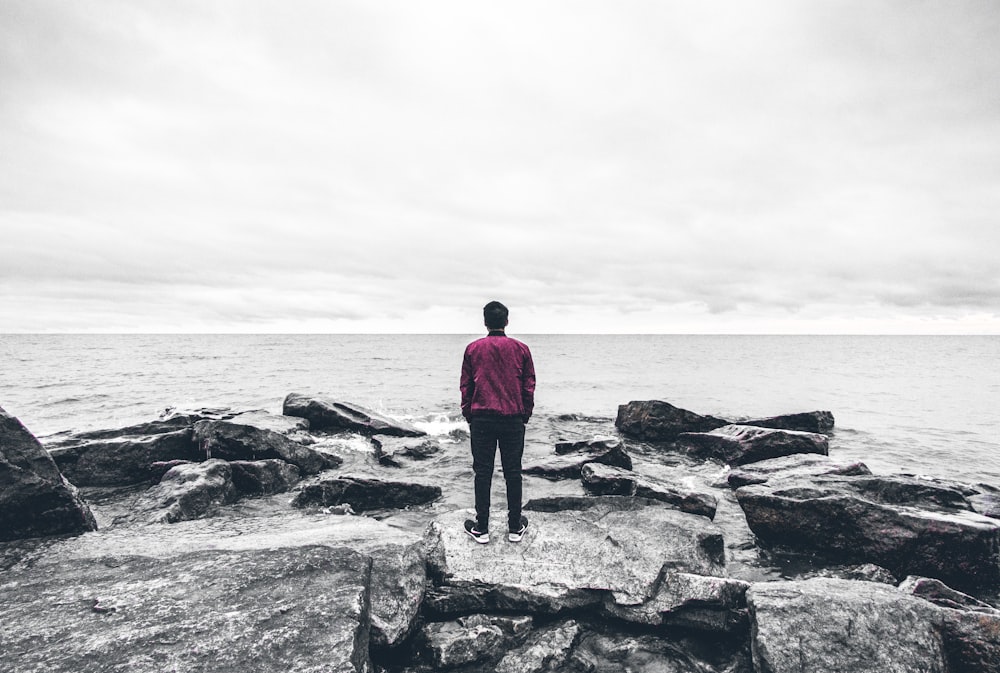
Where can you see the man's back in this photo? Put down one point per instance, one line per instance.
(498, 378)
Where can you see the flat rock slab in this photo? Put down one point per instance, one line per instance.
(233, 440)
(324, 413)
(846, 522)
(799, 465)
(716, 604)
(834, 626)
(364, 493)
(35, 499)
(398, 573)
(569, 558)
(658, 421)
(302, 609)
(741, 444)
(808, 421)
(125, 459)
(601, 479)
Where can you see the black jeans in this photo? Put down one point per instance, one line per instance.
(487, 433)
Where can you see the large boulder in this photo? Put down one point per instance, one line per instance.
(398, 570)
(303, 608)
(327, 414)
(35, 499)
(125, 458)
(904, 525)
(569, 464)
(569, 559)
(809, 421)
(741, 444)
(797, 465)
(657, 421)
(601, 479)
(232, 440)
(832, 626)
(187, 491)
(365, 493)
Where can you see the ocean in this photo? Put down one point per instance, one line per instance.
(923, 405)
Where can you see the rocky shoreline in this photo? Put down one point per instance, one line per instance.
(248, 541)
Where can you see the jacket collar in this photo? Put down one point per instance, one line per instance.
(497, 332)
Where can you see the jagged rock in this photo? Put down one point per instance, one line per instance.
(614, 651)
(544, 650)
(657, 421)
(125, 458)
(570, 465)
(303, 608)
(809, 421)
(327, 414)
(588, 445)
(716, 604)
(601, 479)
(399, 578)
(865, 572)
(392, 453)
(263, 477)
(35, 499)
(365, 493)
(188, 491)
(986, 502)
(741, 444)
(941, 594)
(832, 626)
(465, 641)
(879, 520)
(569, 559)
(796, 465)
(161, 467)
(232, 440)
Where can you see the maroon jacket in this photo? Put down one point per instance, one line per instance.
(498, 378)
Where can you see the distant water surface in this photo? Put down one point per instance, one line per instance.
(918, 404)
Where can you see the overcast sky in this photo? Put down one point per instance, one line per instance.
(615, 166)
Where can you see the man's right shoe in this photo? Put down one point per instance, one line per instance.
(515, 534)
(480, 536)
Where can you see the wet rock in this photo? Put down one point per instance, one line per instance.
(658, 421)
(124, 459)
(399, 578)
(810, 421)
(35, 499)
(232, 440)
(941, 594)
(601, 479)
(588, 445)
(265, 420)
(301, 609)
(365, 493)
(466, 641)
(831, 626)
(986, 502)
(263, 477)
(395, 453)
(160, 468)
(185, 492)
(741, 444)
(327, 414)
(569, 559)
(611, 651)
(569, 465)
(865, 572)
(796, 465)
(705, 603)
(544, 650)
(876, 520)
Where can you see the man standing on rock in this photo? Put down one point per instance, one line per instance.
(498, 396)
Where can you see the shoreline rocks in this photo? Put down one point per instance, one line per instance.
(654, 420)
(232, 440)
(742, 444)
(365, 493)
(601, 479)
(35, 499)
(327, 414)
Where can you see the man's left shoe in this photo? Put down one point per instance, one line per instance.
(480, 536)
(515, 534)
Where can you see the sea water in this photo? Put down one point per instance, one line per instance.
(916, 404)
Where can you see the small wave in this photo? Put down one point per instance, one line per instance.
(73, 400)
(441, 425)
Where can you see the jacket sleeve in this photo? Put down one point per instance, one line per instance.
(528, 385)
(467, 385)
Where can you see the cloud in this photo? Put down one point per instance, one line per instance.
(649, 166)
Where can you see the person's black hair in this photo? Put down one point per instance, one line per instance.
(495, 315)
